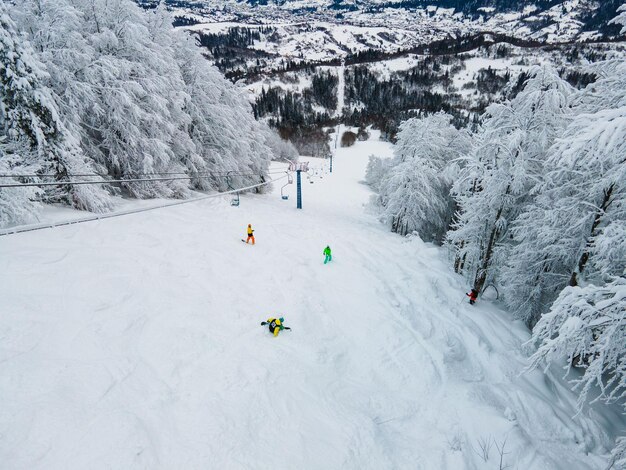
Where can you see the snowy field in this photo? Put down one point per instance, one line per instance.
(135, 342)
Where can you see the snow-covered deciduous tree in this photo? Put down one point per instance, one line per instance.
(131, 96)
(575, 227)
(376, 169)
(282, 150)
(414, 187)
(618, 456)
(587, 325)
(503, 170)
(609, 249)
(133, 125)
(114, 81)
(226, 136)
(33, 139)
(571, 246)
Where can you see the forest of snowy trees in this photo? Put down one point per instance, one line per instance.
(531, 201)
(534, 204)
(94, 90)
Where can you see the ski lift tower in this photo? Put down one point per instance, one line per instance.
(300, 167)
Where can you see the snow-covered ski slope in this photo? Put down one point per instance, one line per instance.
(135, 343)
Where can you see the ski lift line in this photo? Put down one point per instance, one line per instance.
(100, 175)
(130, 180)
(32, 228)
(75, 183)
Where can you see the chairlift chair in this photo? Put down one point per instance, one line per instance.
(234, 201)
(289, 181)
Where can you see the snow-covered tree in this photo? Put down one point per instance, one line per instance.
(415, 185)
(618, 456)
(376, 170)
(133, 125)
(33, 139)
(18, 131)
(224, 131)
(140, 98)
(576, 225)
(572, 247)
(621, 18)
(587, 325)
(114, 81)
(282, 150)
(503, 170)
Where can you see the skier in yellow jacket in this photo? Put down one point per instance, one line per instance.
(275, 325)
(250, 234)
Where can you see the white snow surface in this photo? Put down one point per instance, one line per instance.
(135, 342)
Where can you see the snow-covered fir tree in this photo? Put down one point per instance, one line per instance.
(502, 171)
(415, 186)
(620, 19)
(16, 137)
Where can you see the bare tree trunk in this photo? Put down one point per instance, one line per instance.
(584, 258)
(481, 273)
(459, 261)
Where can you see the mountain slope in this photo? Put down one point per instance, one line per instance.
(146, 352)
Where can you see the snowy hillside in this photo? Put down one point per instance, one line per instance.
(135, 342)
(550, 21)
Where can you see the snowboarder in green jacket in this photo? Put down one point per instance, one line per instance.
(329, 257)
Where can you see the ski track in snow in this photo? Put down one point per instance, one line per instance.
(135, 343)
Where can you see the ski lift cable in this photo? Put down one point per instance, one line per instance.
(32, 228)
(102, 175)
(128, 180)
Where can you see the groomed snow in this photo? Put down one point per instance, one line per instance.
(135, 343)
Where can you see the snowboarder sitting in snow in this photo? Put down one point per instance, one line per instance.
(326, 252)
(250, 234)
(473, 295)
(275, 325)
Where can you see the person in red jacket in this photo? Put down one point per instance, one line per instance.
(473, 295)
